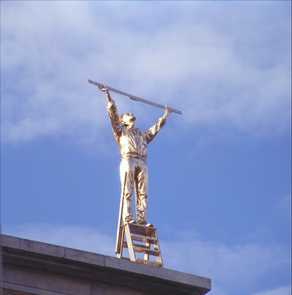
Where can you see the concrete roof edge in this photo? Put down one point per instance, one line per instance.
(104, 261)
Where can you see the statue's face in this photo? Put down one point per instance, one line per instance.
(129, 118)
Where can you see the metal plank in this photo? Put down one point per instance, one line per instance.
(133, 97)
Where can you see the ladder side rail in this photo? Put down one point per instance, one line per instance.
(130, 243)
(121, 248)
(146, 256)
(157, 247)
(119, 240)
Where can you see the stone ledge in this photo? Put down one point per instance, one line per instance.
(81, 272)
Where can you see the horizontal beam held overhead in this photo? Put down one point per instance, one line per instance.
(133, 97)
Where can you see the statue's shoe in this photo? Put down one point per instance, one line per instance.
(131, 221)
(146, 224)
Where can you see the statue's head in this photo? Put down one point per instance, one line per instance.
(128, 119)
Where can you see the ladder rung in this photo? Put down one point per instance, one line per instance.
(150, 262)
(125, 245)
(146, 251)
(141, 246)
(144, 239)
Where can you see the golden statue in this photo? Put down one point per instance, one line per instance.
(133, 146)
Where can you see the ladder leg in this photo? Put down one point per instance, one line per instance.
(146, 256)
(119, 230)
(144, 237)
(120, 253)
(130, 243)
(156, 247)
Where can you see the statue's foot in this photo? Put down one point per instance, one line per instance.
(131, 221)
(146, 224)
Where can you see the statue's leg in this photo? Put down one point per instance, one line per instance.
(142, 192)
(127, 165)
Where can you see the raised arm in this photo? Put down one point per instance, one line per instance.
(113, 114)
(152, 131)
(104, 89)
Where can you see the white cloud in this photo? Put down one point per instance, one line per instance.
(231, 267)
(243, 263)
(223, 73)
(285, 290)
(77, 237)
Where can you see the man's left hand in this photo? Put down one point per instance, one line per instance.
(167, 111)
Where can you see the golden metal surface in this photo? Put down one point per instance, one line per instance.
(133, 145)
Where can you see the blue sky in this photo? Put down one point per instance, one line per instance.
(219, 175)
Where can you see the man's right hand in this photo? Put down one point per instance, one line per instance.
(103, 88)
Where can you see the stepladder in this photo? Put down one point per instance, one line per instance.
(141, 241)
(142, 244)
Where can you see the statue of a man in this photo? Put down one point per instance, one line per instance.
(133, 146)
